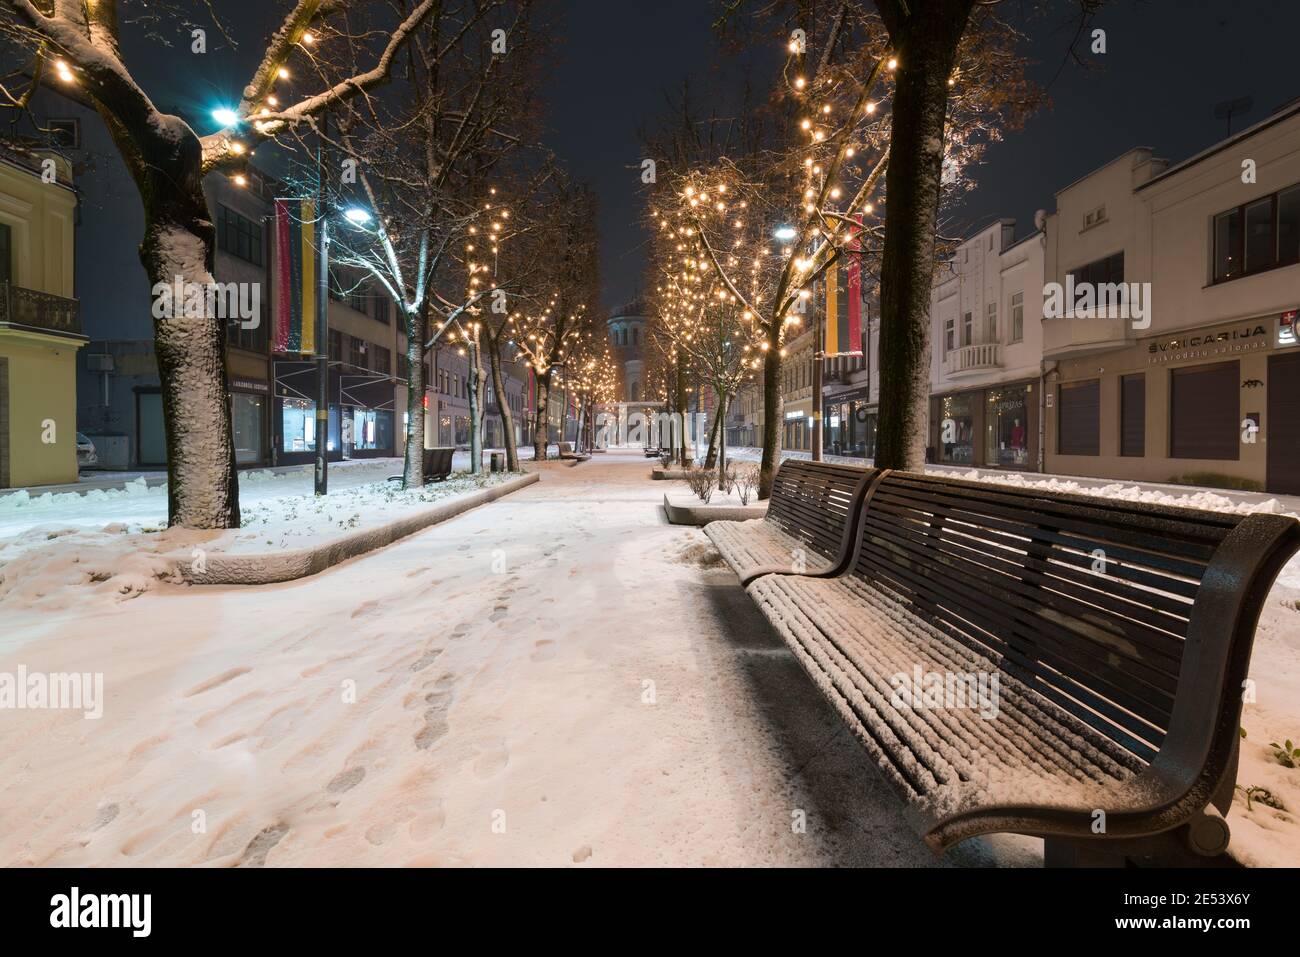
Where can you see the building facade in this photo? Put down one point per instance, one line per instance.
(986, 351)
(40, 329)
(627, 331)
(1203, 386)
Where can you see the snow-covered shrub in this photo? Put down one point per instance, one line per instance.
(744, 481)
(701, 482)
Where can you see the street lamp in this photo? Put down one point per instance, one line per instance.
(785, 233)
(225, 116)
(357, 216)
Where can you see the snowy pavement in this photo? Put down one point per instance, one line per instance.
(559, 677)
(552, 679)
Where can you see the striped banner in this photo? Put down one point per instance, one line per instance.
(296, 255)
(844, 303)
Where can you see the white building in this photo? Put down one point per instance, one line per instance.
(986, 351)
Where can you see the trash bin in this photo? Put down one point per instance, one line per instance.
(498, 462)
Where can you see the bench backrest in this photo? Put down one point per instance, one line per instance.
(437, 461)
(817, 502)
(565, 448)
(1088, 600)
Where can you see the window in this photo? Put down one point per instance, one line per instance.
(336, 346)
(991, 323)
(6, 253)
(358, 298)
(1256, 236)
(239, 236)
(381, 312)
(949, 335)
(1094, 217)
(335, 285)
(1101, 271)
(254, 339)
(1079, 418)
(1018, 317)
(357, 352)
(1133, 414)
(967, 329)
(383, 360)
(1204, 411)
(65, 132)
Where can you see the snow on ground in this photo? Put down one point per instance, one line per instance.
(559, 677)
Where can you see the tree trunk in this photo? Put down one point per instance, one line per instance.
(541, 417)
(926, 46)
(417, 325)
(722, 445)
(771, 418)
(679, 403)
(503, 403)
(711, 458)
(202, 483)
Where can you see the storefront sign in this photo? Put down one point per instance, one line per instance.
(250, 385)
(1240, 339)
(1288, 330)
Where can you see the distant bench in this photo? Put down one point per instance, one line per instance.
(566, 452)
(1119, 634)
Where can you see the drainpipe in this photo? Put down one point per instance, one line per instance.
(1043, 373)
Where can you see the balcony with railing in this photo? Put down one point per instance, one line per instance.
(969, 360)
(39, 311)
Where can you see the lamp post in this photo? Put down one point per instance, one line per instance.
(322, 318)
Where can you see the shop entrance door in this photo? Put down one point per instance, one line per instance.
(1283, 423)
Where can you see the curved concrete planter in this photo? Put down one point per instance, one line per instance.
(265, 568)
(661, 474)
(703, 514)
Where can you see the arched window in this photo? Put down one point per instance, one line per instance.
(634, 391)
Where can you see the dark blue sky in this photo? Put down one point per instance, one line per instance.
(1167, 63)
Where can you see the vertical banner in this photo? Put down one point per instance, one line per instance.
(295, 274)
(840, 314)
(851, 339)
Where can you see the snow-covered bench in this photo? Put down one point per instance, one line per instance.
(565, 450)
(437, 465)
(809, 527)
(1055, 665)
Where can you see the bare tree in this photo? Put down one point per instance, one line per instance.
(168, 161)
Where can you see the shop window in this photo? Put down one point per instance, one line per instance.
(957, 429)
(1018, 317)
(372, 430)
(298, 426)
(1204, 411)
(1079, 418)
(1006, 427)
(1133, 414)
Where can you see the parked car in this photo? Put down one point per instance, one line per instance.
(87, 457)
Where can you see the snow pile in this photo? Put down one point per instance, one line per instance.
(50, 566)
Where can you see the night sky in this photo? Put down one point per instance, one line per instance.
(1168, 63)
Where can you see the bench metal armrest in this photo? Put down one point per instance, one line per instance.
(1193, 768)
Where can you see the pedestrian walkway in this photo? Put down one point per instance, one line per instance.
(557, 678)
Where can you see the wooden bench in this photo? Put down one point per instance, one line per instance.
(810, 524)
(565, 450)
(1120, 635)
(437, 465)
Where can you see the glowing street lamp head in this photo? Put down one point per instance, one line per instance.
(226, 116)
(357, 216)
(785, 233)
